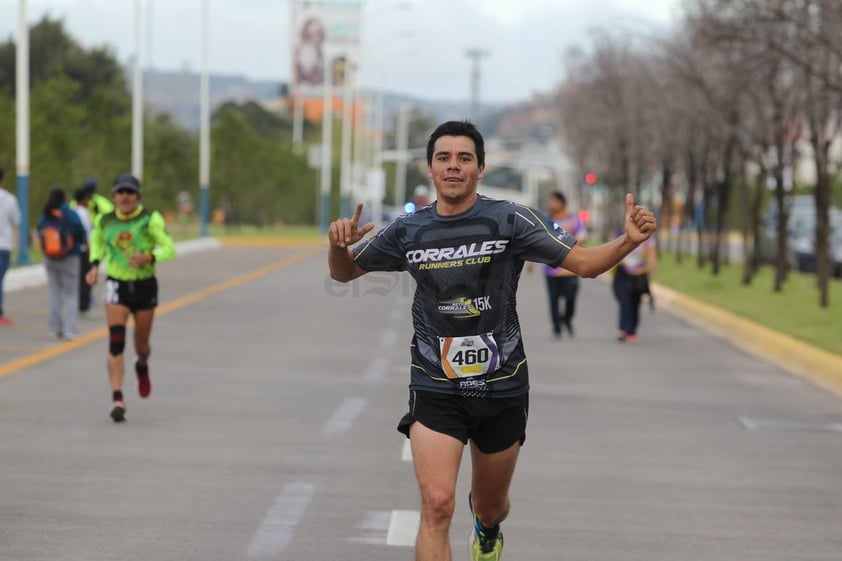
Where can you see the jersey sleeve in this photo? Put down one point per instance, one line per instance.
(538, 238)
(382, 252)
(164, 246)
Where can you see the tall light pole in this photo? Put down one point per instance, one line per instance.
(327, 143)
(402, 134)
(204, 128)
(347, 130)
(137, 94)
(475, 55)
(22, 105)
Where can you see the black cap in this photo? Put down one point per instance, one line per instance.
(126, 181)
(89, 184)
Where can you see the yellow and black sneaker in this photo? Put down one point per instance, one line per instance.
(485, 544)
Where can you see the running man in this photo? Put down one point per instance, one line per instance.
(469, 379)
(131, 240)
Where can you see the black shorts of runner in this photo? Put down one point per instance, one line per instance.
(135, 295)
(493, 424)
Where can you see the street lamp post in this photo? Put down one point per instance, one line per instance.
(347, 130)
(22, 105)
(327, 141)
(402, 134)
(475, 55)
(204, 128)
(137, 95)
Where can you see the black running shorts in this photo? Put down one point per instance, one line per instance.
(135, 295)
(493, 424)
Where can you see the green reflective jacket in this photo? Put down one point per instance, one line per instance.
(117, 237)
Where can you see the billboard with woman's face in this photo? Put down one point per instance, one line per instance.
(324, 32)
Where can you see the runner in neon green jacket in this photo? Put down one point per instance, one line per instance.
(117, 238)
(131, 240)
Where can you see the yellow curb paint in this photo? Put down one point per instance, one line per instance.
(257, 241)
(101, 333)
(817, 366)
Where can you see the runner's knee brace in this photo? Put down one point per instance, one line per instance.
(116, 339)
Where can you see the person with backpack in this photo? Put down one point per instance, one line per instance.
(62, 238)
(131, 240)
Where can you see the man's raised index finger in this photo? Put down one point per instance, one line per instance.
(357, 213)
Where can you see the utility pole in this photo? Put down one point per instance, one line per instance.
(22, 132)
(204, 125)
(475, 55)
(137, 94)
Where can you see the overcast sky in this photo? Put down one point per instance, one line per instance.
(417, 50)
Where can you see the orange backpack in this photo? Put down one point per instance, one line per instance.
(56, 240)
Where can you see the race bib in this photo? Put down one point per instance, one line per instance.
(462, 357)
(110, 292)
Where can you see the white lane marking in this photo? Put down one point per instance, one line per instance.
(374, 527)
(344, 415)
(388, 338)
(751, 423)
(278, 527)
(406, 452)
(376, 369)
(403, 527)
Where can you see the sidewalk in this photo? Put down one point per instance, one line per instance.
(818, 366)
(35, 275)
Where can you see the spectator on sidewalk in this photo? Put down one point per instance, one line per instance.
(563, 284)
(62, 236)
(83, 199)
(631, 283)
(9, 222)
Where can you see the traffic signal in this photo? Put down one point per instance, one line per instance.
(590, 178)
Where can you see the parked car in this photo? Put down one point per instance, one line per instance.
(801, 236)
(804, 245)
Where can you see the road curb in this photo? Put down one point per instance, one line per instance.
(20, 278)
(819, 367)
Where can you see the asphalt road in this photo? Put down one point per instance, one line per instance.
(270, 432)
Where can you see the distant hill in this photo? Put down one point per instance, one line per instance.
(177, 93)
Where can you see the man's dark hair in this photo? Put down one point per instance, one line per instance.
(2, 174)
(559, 196)
(81, 194)
(457, 128)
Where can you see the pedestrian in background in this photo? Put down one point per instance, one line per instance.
(83, 199)
(98, 204)
(562, 283)
(9, 223)
(631, 283)
(62, 237)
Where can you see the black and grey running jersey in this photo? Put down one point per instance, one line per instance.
(467, 337)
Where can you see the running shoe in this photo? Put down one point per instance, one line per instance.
(144, 384)
(118, 411)
(485, 544)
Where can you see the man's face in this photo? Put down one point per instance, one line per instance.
(126, 200)
(454, 170)
(556, 206)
